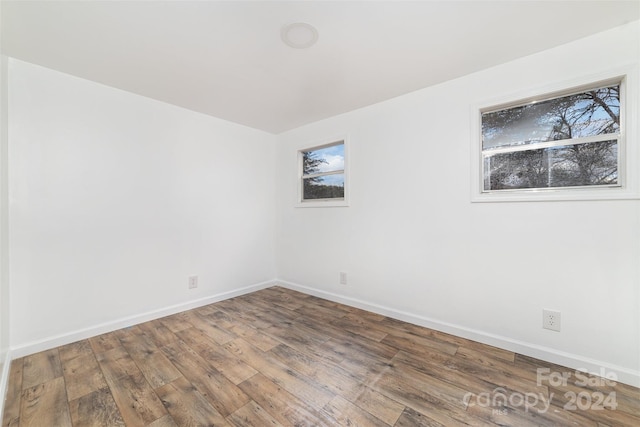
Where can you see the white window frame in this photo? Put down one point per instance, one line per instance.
(628, 177)
(341, 202)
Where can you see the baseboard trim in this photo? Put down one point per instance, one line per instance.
(572, 361)
(4, 381)
(67, 338)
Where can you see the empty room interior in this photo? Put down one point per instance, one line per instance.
(320, 213)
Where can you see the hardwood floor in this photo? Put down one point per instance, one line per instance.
(282, 358)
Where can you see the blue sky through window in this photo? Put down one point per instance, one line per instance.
(333, 157)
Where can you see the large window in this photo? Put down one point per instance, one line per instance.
(567, 141)
(322, 175)
(571, 144)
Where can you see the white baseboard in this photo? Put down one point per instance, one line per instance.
(573, 361)
(4, 381)
(67, 338)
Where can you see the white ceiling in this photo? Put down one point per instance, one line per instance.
(226, 58)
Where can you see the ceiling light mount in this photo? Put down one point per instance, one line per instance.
(299, 35)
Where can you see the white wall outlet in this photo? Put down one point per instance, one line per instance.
(551, 320)
(343, 278)
(193, 282)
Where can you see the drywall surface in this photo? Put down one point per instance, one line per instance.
(116, 199)
(4, 235)
(412, 241)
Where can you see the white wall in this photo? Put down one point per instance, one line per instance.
(4, 215)
(116, 199)
(414, 245)
(5, 354)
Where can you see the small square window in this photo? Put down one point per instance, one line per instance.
(322, 179)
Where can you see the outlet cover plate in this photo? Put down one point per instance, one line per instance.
(551, 320)
(343, 278)
(193, 282)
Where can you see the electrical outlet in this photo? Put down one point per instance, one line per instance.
(193, 282)
(551, 320)
(343, 278)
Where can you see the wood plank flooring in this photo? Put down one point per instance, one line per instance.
(278, 357)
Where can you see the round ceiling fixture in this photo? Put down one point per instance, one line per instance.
(299, 35)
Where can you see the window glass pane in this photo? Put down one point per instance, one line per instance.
(594, 112)
(565, 166)
(327, 159)
(324, 187)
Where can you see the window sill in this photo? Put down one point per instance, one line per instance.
(549, 195)
(323, 204)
